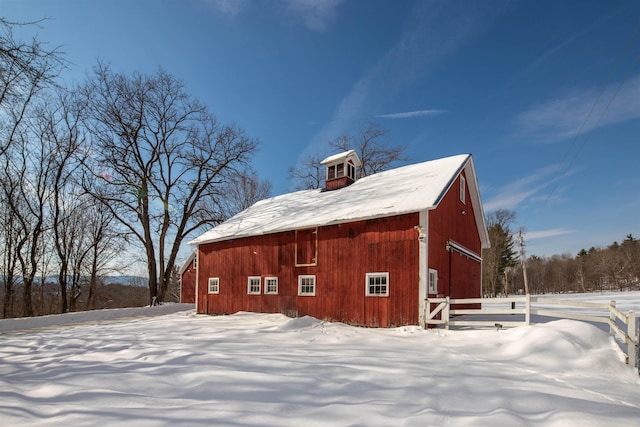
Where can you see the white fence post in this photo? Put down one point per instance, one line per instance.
(445, 313)
(527, 311)
(612, 316)
(425, 312)
(631, 336)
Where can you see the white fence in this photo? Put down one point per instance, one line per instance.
(492, 313)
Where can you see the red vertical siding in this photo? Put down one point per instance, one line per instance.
(346, 252)
(458, 275)
(188, 285)
(337, 183)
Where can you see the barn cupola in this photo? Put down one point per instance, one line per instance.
(341, 169)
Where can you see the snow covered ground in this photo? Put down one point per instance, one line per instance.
(269, 370)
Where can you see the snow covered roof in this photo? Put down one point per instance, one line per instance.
(187, 262)
(406, 189)
(342, 156)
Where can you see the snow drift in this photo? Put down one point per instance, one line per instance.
(267, 369)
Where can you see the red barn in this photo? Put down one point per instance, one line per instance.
(365, 252)
(188, 279)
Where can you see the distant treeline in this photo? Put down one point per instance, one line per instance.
(613, 268)
(46, 299)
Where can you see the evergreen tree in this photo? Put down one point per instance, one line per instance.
(502, 254)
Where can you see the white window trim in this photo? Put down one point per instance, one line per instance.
(266, 285)
(259, 291)
(307, 294)
(433, 289)
(366, 283)
(463, 190)
(213, 281)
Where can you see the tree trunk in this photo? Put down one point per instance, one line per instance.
(62, 281)
(93, 281)
(153, 278)
(27, 306)
(8, 297)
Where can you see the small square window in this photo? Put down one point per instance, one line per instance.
(307, 285)
(433, 281)
(253, 285)
(271, 285)
(462, 189)
(377, 285)
(214, 285)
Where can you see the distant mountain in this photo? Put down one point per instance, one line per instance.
(126, 280)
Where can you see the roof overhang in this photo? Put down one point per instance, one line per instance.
(187, 262)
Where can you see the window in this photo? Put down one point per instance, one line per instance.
(351, 170)
(271, 285)
(306, 247)
(307, 285)
(331, 172)
(253, 285)
(377, 285)
(433, 281)
(339, 170)
(214, 285)
(462, 189)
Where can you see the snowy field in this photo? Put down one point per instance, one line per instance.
(269, 370)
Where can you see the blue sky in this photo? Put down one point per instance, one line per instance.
(544, 94)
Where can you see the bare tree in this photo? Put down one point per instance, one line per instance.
(242, 190)
(105, 242)
(27, 173)
(13, 240)
(535, 274)
(173, 291)
(308, 174)
(630, 251)
(26, 68)
(164, 159)
(585, 270)
(611, 265)
(370, 142)
(56, 128)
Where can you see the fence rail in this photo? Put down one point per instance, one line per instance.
(442, 311)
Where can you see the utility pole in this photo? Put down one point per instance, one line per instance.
(523, 260)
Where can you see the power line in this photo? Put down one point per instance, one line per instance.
(557, 178)
(635, 64)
